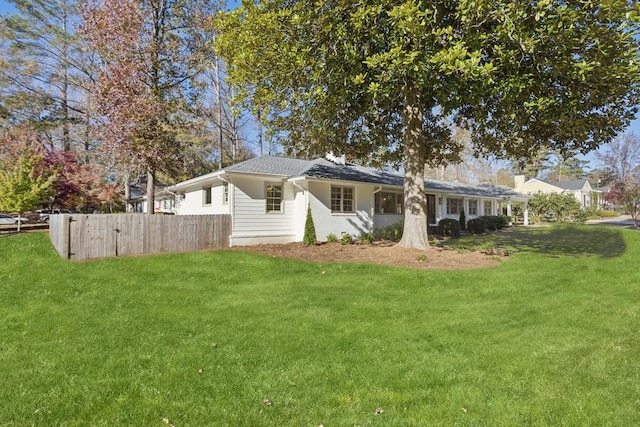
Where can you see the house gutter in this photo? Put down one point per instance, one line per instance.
(232, 211)
(373, 205)
(305, 191)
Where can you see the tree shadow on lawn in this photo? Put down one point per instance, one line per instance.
(571, 240)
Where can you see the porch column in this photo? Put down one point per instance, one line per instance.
(509, 211)
(526, 212)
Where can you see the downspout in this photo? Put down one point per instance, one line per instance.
(306, 197)
(373, 207)
(232, 204)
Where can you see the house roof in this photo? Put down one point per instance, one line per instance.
(327, 170)
(271, 165)
(576, 184)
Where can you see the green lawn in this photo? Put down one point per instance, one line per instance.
(551, 337)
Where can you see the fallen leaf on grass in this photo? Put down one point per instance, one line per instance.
(379, 411)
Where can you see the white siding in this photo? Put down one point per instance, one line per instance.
(327, 222)
(301, 203)
(193, 202)
(385, 220)
(252, 223)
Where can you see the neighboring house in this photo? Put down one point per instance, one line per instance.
(580, 188)
(267, 198)
(165, 200)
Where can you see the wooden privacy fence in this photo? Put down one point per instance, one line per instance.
(81, 236)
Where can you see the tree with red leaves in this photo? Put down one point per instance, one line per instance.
(152, 52)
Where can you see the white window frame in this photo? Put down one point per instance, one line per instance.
(207, 198)
(342, 199)
(484, 207)
(474, 211)
(225, 193)
(459, 205)
(397, 202)
(267, 198)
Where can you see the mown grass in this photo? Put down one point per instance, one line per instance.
(551, 337)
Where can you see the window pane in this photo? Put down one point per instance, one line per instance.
(399, 207)
(207, 196)
(274, 198)
(473, 207)
(336, 199)
(347, 203)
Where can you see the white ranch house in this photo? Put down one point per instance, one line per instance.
(267, 198)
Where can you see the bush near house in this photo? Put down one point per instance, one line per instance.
(555, 207)
(332, 238)
(309, 238)
(476, 226)
(449, 227)
(488, 222)
(391, 232)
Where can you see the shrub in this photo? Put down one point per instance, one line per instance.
(495, 222)
(556, 207)
(309, 238)
(391, 232)
(366, 238)
(346, 239)
(477, 225)
(502, 221)
(463, 219)
(600, 213)
(332, 238)
(449, 227)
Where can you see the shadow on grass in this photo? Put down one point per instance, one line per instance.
(605, 242)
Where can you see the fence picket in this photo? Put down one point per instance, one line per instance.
(81, 236)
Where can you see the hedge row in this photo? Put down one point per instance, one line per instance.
(481, 224)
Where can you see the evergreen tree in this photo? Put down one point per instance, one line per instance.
(310, 238)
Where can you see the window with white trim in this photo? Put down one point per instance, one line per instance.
(342, 199)
(487, 207)
(454, 206)
(225, 193)
(274, 197)
(389, 203)
(473, 207)
(206, 196)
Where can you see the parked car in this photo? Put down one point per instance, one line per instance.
(43, 214)
(7, 219)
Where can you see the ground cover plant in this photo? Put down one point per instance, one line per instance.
(550, 337)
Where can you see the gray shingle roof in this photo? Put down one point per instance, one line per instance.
(270, 165)
(576, 184)
(325, 169)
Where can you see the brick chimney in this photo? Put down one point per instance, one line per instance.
(519, 181)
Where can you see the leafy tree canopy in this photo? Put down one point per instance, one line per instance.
(377, 79)
(24, 182)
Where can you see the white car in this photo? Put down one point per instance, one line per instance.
(6, 219)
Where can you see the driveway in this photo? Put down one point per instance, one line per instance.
(621, 221)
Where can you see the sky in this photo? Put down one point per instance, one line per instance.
(6, 7)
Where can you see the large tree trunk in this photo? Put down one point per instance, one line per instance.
(414, 234)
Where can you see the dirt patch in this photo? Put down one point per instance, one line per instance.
(435, 258)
